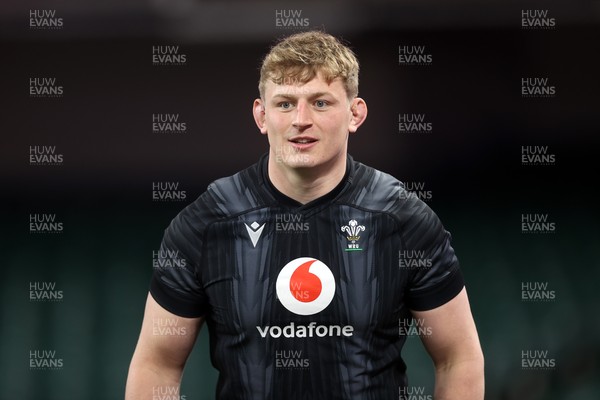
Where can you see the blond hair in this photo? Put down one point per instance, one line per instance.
(299, 57)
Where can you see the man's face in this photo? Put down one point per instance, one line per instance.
(307, 123)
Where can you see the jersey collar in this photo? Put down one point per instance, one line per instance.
(286, 201)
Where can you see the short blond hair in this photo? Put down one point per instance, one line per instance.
(301, 56)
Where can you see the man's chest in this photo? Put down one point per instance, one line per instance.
(282, 274)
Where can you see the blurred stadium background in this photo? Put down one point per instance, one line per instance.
(470, 163)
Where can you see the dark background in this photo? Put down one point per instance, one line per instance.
(471, 163)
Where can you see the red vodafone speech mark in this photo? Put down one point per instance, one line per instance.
(305, 286)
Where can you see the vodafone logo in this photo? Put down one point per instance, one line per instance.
(305, 286)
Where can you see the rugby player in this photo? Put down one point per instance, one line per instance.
(308, 267)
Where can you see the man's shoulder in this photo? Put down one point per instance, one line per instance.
(231, 195)
(378, 191)
(224, 198)
(374, 189)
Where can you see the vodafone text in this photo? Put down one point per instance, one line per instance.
(312, 329)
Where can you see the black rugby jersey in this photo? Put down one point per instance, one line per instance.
(306, 301)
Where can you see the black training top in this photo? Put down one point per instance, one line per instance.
(306, 301)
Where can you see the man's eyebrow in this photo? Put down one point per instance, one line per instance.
(288, 96)
(320, 94)
(283, 96)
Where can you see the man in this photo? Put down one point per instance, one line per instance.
(298, 264)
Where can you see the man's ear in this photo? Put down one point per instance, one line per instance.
(359, 111)
(258, 111)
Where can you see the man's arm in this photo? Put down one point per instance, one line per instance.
(455, 350)
(163, 347)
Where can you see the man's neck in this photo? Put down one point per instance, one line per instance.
(306, 184)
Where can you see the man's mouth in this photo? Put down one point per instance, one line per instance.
(303, 140)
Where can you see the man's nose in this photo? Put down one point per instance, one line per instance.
(303, 117)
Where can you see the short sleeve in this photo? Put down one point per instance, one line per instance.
(434, 273)
(175, 283)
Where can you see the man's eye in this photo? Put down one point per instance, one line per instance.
(286, 105)
(320, 103)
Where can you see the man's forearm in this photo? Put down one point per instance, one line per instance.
(146, 382)
(460, 381)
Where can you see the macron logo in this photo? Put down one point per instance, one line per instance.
(254, 231)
